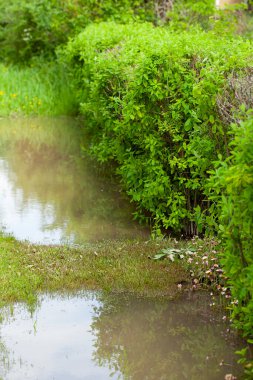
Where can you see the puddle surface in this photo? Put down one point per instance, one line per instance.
(50, 194)
(116, 337)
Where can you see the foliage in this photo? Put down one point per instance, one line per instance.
(31, 28)
(185, 14)
(200, 257)
(233, 186)
(235, 19)
(150, 99)
(36, 27)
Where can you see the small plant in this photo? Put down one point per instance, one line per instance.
(201, 259)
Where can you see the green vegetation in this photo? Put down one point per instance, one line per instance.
(164, 267)
(233, 182)
(26, 269)
(35, 28)
(151, 100)
(166, 92)
(43, 89)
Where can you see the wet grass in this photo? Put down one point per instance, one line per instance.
(26, 270)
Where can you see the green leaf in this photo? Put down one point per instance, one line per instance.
(160, 256)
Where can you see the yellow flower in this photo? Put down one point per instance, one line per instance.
(1, 93)
(13, 95)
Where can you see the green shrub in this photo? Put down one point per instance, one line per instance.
(233, 181)
(202, 14)
(150, 98)
(185, 14)
(31, 28)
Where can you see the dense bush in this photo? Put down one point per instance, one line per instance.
(31, 28)
(150, 98)
(233, 184)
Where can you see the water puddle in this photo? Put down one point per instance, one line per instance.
(91, 336)
(50, 193)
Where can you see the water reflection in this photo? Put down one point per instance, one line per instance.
(54, 343)
(49, 194)
(117, 336)
(151, 340)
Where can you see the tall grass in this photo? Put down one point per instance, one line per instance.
(42, 89)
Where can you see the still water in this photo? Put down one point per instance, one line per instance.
(50, 194)
(97, 337)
